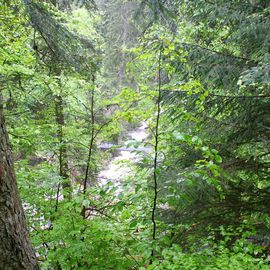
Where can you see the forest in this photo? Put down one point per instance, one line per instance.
(134, 134)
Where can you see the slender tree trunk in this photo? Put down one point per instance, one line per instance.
(60, 120)
(92, 138)
(91, 143)
(155, 175)
(16, 251)
(63, 158)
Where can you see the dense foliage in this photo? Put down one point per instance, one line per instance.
(78, 74)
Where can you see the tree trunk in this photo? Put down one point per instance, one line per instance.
(63, 157)
(16, 251)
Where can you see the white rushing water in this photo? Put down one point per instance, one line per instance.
(119, 167)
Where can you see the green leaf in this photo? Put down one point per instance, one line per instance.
(133, 223)
(86, 203)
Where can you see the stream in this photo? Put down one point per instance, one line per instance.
(118, 167)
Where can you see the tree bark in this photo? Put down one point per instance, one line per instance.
(16, 251)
